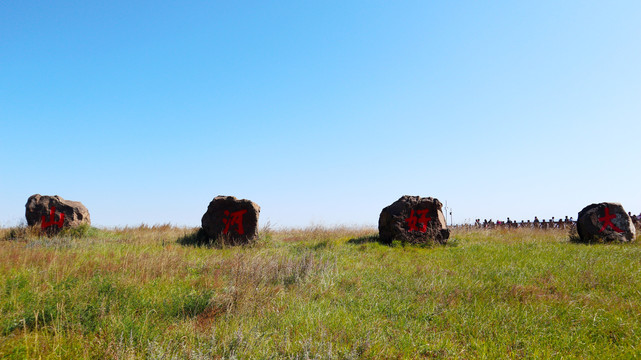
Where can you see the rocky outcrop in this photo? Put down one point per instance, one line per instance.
(53, 213)
(605, 222)
(234, 220)
(413, 219)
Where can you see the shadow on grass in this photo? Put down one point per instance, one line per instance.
(396, 243)
(365, 240)
(197, 239)
(576, 239)
(200, 238)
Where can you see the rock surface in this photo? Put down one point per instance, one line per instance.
(53, 212)
(413, 219)
(232, 219)
(605, 222)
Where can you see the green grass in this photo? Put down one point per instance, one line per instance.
(316, 293)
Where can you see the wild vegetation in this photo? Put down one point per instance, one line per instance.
(316, 293)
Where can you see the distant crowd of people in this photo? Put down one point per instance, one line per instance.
(534, 224)
(565, 223)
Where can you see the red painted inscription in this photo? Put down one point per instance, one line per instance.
(413, 220)
(606, 220)
(235, 218)
(52, 219)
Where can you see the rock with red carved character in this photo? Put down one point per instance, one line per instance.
(52, 213)
(233, 220)
(605, 222)
(413, 219)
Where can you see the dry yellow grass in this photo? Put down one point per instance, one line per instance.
(316, 293)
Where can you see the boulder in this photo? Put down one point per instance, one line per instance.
(52, 213)
(413, 219)
(605, 222)
(232, 219)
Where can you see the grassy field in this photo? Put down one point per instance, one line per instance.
(317, 294)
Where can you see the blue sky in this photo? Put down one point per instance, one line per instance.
(322, 112)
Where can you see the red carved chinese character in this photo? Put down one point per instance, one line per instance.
(236, 219)
(52, 219)
(412, 221)
(607, 221)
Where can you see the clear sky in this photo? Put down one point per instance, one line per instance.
(322, 112)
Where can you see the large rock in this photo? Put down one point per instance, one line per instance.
(53, 212)
(234, 220)
(413, 219)
(605, 222)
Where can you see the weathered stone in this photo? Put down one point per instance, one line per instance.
(236, 221)
(47, 211)
(413, 219)
(605, 222)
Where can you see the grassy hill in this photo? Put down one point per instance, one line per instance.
(317, 293)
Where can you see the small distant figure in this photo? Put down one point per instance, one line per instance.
(536, 223)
